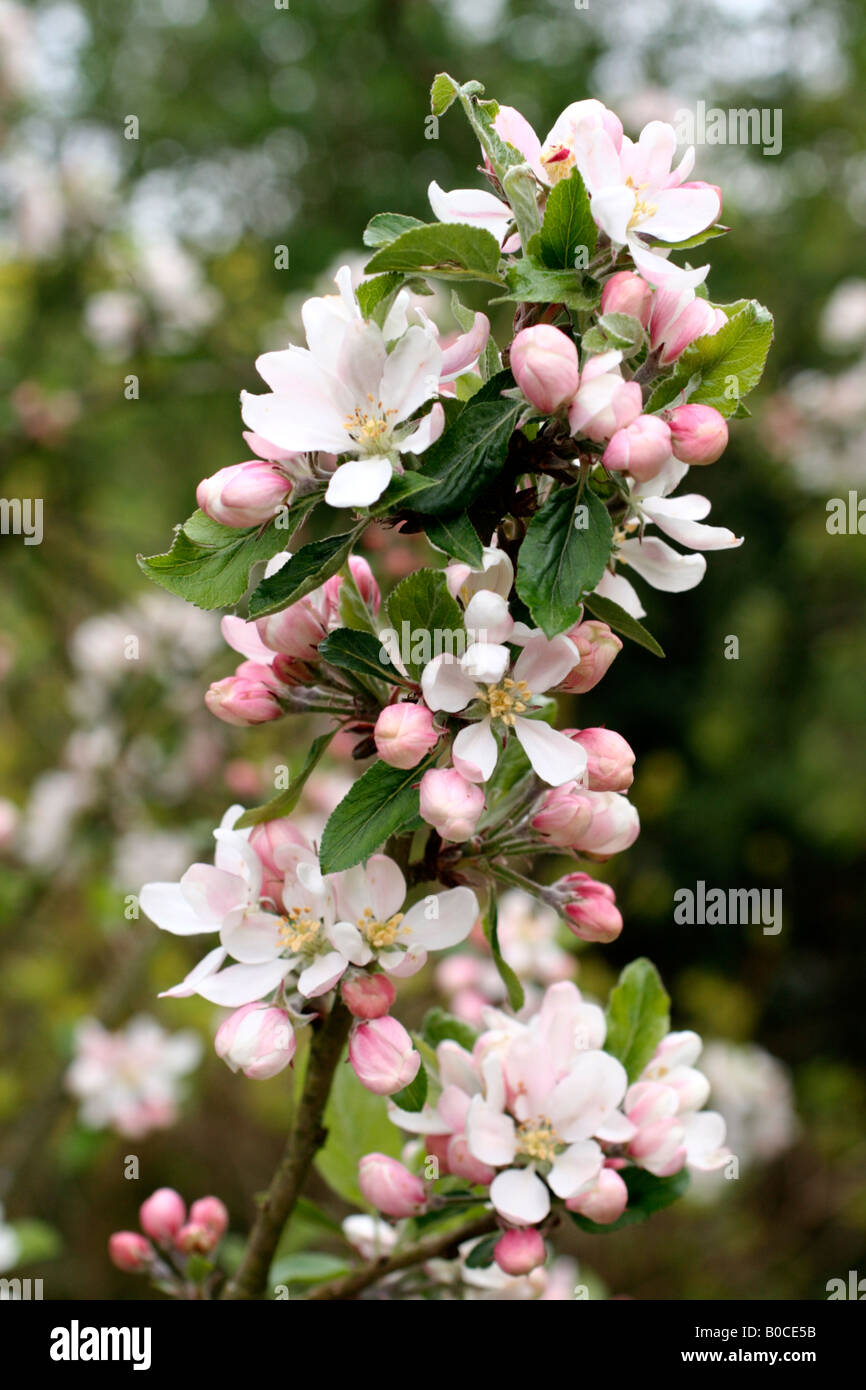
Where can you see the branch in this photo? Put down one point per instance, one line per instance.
(433, 1247)
(306, 1138)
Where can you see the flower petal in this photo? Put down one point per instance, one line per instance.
(243, 984)
(555, 758)
(445, 685)
(360, 482)
(576, 1166)
(475, 751)
(490, 1133)
(520, 1196)
(456, 912)
(662, 566)
(167, 906)
(322, 975)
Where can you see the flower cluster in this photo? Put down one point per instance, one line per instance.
(176, 1246)
(130, 1080)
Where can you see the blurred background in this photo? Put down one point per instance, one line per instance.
(137, 285)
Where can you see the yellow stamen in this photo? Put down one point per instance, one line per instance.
(298, 931)
(538, 1139)
(507, 699)
(380, 935)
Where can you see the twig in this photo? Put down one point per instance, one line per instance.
(433, 1247)
(306, 1138)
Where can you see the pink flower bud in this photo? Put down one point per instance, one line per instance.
(679, 317)
(257, 1039)
(267, 838)
(519, 1251)
(544, 364)
(604, 402)
(659, 1143)
(364, 582)
(382, 1056)
(296, 631)
(699, 434)
(240, 701)
(404, 733)
(210, 1212)
(627, 293)
(450, 804)
(640, 449)
(246, 494)
(597, 646)
(368, 996)
(129, 1251)
(163, 1214)
(597, 823)
(389, 1186)
(592, 911)
(196, 1239)
(289, 671)
(605, 1201)
(609, 759)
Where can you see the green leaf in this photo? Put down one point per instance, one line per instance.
(513, 987)
(638, 1016)
(381, 803)
(421, 607)
(285, 802)
(385, 227)
(442, 93)
(699, 238)
(209, 564)
(377, 292)
(531, 282)
(308, 568)
(520, 187)
(560, 560)
(567, 224)
(455, 536)
(481, 1254)
(401, 488)
(447, 250)
(720, 368)
(439, 1026)
(307, 1267)
(413, 1096)
(361, 652)
(617, 618)
(469, 456)
(647, 1194)
(622, 331)
(357, 1123)
(354, 612)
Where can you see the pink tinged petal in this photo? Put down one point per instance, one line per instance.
(659, 271)
(361, 363)
(705, 1140)
(404, 964)
(470, 205)
(586, 1098)
(445, 685)
(555, 758)
(427, 432)
(662, 566)
(453, 1106)
(235, 855)
(360, 482)
(617, 1129)
(387, 886)
(213, 892)
(652, 156)
(307, 407)
(243, 984)
(520, 1196)
(682, 212)
(411, 373)
(618, 589)
(252, 937)
(207, 966)
(463, 354)
(544, 662)
(669, 477)
(346, 939)
(677, 517)
(599, 161)
(244, 637)
(457, 1068)
(612, 209)
(494, 1080)
(425, 1121)
(327, 323)
(322, 975)
(515, 130)
(265, 449)
(490, 1134)
(456, 914)
(168, 907)
(579, 1164)
(475, 751)
(485, 662)
(683, 169)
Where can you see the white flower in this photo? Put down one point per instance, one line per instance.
(348, 394)
(654, 560)
(501, 701)
(130, 1080)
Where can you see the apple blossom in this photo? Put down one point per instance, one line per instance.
(382, 1056)
(404, 733)
(244, 494)
(604, 402)
(163, 1214)
(597, 823)
(130, 1252)
(679, 317)
(389, 1186)
(243, 700)
(450, 803)
(367, 996)
(210, 1212)
(627, 293)
(519, 1251)
(699, 434)
(609, 759)
(598, 646)
(590, 908)
(257, 1040)
(544, 363)
(640, 448)
(605, 1201)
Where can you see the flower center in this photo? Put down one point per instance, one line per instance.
(538, 1139)
(558, 162)
(299, 932)
(369, 427)
(380, 935)
(641, 209)
(507, 699)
